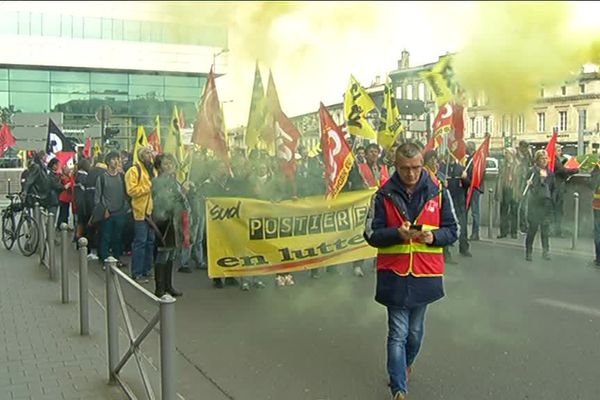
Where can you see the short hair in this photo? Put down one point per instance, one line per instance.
(360, 148)
(372, 146)
(111, 156)
(408, 150)
(83, 164)
(523, 143)
(52, 162)
(430, 155)
(161, 158)
(539, 154)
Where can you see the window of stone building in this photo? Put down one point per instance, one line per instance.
(563, 121)
(409, 92)
(399, 92)
(582, 88)
(487, 124)
(472, 127)
(421, 91)
(563, 90)
(478, 127)
(541, 125)
(504, 124)
(583, 119)
(521, 123)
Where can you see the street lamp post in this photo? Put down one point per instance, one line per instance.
(215, 55)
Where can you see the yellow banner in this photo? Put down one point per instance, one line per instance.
(248, 237)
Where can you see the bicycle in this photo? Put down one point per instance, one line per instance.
(24, 231)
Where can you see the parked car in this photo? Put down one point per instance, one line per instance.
(491, 166)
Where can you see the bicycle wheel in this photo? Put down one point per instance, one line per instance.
(8, 230)
(28, 235)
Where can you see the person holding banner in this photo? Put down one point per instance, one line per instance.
(540, 193)
(410, 220)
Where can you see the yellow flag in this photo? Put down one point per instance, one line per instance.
(174, 145)
(97, 150)
(390, 126)
(437, 81)
(140, 141)
(256, 118)
(357, 104)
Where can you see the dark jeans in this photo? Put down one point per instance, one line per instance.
(475, 212)
(597, 235)
(111, 238)
(538, 219)
(559, 206)
(508, 213)
(63, 214)
(142, 249)
(461, 214)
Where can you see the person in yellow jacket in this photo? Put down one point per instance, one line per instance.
(138, 181)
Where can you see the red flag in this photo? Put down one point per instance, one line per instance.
(443, 120)
(285, 133)
(181, 120)
(479, 158)
(572, 163)
(336, 153)
(551, 150)
(209, 129)
(456, 137)
(87, 149)
(434, 143)
(7, 140)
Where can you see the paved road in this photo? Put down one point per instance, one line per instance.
(507, 329)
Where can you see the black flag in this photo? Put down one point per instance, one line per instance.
(56, 140)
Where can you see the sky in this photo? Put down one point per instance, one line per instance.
(313, 47)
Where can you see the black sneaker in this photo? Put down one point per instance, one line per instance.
(528, 257)
(185, 270)
(466, 253)
(231, 282)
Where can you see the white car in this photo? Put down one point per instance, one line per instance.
(491, 166)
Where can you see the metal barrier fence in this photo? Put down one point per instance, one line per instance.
(165, 315)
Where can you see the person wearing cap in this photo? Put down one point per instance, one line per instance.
(138, 181)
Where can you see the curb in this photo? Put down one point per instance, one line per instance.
(557, 251)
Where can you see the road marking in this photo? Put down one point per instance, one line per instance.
(594, 312)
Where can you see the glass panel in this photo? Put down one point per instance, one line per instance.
(36, 23)
(51, 25)
(70, 76)
(66, 26)
(132, 31)
(77, 27)
(173, 92)
(3, 99)
(107, 28)
(3, 85)
(185, 81)
(63, 100)
(101, 77)
(156, 34)
(146, 31)
(117, 29)
(29, 75)
(8, 22)
(145, 91)
(24, 23)
(27, 86)
(140, 79)
(30, 102)
(92, 28)
(3, 74)
(69, 87)
(109, 88)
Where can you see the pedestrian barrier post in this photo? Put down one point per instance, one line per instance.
(37, 215)
(84, 312)
(576, 223)
(51, 233)
(491, 213)
(167, 348)
(64, 270)
(111, 320)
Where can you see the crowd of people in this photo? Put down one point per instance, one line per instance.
(133, 204)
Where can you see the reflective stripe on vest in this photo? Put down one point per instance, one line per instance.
(413, 258)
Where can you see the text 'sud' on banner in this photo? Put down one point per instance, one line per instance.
(252, 237)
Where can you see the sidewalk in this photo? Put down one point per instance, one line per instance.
(42, 356)
(584, 246)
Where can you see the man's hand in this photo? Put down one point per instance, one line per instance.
(425, 237)
(406, 233)
(463, 175)
(106, 214)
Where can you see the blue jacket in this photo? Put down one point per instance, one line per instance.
(394, 290)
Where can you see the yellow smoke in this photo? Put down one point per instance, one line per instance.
(516, 48)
